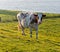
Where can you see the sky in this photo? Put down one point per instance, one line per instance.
(35, 5)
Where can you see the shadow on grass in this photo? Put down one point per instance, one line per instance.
(53, 42)
(3, 37)
(7, 30)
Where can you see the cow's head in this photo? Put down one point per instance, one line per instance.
(38, 17)
(41, 15)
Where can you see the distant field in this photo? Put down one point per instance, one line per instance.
(7, 15)
(11, 39)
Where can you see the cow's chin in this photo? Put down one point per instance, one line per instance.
(39, 22)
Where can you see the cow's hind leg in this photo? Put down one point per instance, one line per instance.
(23, 33)
(18, 27)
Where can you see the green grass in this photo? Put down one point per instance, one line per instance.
(11, 39)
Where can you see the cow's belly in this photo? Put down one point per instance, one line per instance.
(34, 25)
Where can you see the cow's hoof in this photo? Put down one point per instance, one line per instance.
(24, 34)
(37, 40)
(30, 36)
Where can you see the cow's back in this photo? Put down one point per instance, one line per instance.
(24, 21)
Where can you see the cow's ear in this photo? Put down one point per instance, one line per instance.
(21, 13)
(44, 15)
(26, 12)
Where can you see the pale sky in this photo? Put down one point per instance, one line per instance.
(37, 5)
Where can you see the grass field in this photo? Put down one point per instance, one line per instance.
(11, 39)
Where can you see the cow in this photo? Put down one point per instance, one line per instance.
(30, 20)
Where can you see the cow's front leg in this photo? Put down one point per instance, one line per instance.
(36, 34)
(30, 31)
(36, 26)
